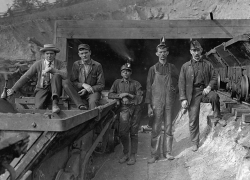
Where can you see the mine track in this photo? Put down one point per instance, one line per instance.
(238, 109)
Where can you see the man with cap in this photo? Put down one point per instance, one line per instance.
(161, 93)
(50, 73)
(128, 92)
(196, 84)
(86, 80)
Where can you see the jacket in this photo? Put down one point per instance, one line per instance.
(186, 79)
(95, 77)
(36, 69)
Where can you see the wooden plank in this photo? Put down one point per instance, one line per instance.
(150, 33)
(61, 43)
(151, 23)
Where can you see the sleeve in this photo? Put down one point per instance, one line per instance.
(26, 77)
(213, 77)
(182, 84)
(62, 70)
(138, 94)
(150, 79)
(113, 93)
(100, 80)
(74, 76)
(175, 77)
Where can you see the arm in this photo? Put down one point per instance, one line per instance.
(100, 80)
(62, 70)
(113, 91)
(213, 77)
(137, 98)
(150, 79)
(74, 76)
(182, 84)
(26, 77)
(175, 77)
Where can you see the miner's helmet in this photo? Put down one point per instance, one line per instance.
(162, 44)
(194, 44)
(126, 66)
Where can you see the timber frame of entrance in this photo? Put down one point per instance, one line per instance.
(145, 29)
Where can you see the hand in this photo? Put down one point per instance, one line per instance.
(82, 92)
(88, 88)
(125, 100)
(46, 70)
(10, 92)
(184, 104)
(150, 111)
(206, 90)
(122, 95)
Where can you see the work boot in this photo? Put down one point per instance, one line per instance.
(131, 160)
(195, 147)
(222, 122)
(123, 159)
(169, 156)
(153, 159)
(55, 108)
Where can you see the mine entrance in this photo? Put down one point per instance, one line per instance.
(113, 53)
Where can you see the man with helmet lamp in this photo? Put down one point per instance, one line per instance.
(128, 92)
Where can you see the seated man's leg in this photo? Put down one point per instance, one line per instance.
(56, 90)
(94, 99)
(72, 92)
(42, 97)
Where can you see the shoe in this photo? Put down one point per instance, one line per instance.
(131, 160)
(55, 108)
(195, 147)
(123, 159)
(83, 107)
(222, 122)
(169, 156)
(152, 160)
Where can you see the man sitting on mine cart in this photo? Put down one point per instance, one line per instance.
(129, 94)
(50, 73)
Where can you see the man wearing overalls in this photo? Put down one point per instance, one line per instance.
(196, 84)
(129, 93)
(161, 93)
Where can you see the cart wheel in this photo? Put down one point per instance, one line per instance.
(244, 84)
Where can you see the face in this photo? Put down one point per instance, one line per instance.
(162, 53)
(84, 54)
(49, 55)
(126, 73)
(196, 53)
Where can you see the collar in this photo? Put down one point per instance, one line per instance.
(89, 63)
(123, 80)
(46, 62)
(163, 64)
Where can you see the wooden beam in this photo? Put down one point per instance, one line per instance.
(147, 29)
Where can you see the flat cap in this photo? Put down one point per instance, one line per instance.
(195, 45)
(83, 46)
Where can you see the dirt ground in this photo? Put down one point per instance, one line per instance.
(218, 158)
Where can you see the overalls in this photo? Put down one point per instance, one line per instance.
(163, 98)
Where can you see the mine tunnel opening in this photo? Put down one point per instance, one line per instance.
(113, 53)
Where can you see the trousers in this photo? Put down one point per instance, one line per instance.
(128, 127)
(194, 111)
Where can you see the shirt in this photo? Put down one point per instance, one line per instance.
(163, 70)
(198, 72)
(126, 86)
(48, 76)
(85, 70)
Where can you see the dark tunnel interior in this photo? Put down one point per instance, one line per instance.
(113, 53)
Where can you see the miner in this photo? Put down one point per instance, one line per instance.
(128, 92)
(196, 84)
(49, 72)
(161, 93)
(86, 80)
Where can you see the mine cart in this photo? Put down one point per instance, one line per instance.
(38, 144)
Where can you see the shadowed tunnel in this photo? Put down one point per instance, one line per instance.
(113, 53)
